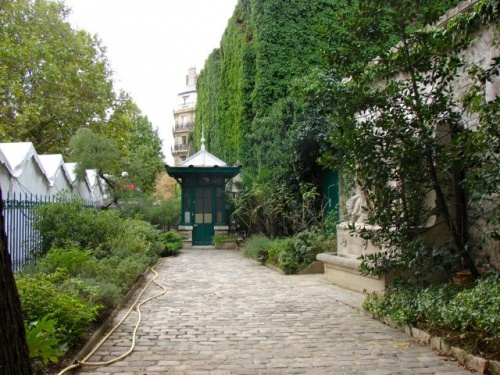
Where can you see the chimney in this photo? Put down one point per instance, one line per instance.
(191, 77)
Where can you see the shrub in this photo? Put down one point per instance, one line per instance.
(41, 340)
(276, 247)
(306, 245)
(220, 238)
(472, 313)
(70, 223)
(289, 254)
(71, 302)
(172, 243)
(477, 309)
(70, 259)
(163, 214)
(256, 247)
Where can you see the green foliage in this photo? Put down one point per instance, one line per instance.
(481, 146)
(290, 254)
(71, 302)
(161, 214)
(68, 259)
(139, 142)
(220, 238)
(264, 48)
(256, 247)
(47, 71)
(138, 161)
(41, 340)
(278, 246)
(402, 111)
(95, 151)
(476, 309)
(98, 247)
(172, 241)
(472, 313)
(262, 206)
(71, 223)
(300, 251)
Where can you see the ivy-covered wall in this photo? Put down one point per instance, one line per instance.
(266, 45)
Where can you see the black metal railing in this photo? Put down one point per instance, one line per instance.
(181, 147)
(184, 127)
(24, 242)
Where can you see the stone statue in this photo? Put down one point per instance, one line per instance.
(356, 206)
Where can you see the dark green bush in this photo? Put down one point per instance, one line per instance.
(73, 224)
(290, 254)
(276, 247)
(70, 259)
(69, 301)
(477, 309)
(470, 312)
(306, 245)
(172, 243)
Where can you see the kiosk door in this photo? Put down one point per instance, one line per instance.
(203, 223)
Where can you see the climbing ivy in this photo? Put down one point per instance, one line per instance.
(266, 45)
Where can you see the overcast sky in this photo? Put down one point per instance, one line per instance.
(151, 44)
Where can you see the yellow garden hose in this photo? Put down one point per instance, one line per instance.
(137, 307)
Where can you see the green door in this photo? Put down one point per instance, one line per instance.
(203, 223)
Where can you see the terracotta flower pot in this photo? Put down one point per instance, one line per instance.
(463, 277)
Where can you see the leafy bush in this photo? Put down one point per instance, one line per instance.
(41, 340)
(163, 214)
(306, 245)
(471, 312)
(71, 260)
(477, 309)
(256, 247)
(276, 247)
(71, 302)
(289, 254)
(71, 223)
(172, 243)
(220, 238)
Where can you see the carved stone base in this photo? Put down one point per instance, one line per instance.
(342, 269)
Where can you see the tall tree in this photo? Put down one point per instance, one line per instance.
(401, 135)
(14, 355)
(53, 79)
(139, 142)
(130, 144)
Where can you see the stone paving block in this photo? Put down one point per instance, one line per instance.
(225, 314)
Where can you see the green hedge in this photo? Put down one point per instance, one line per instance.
(469, 315)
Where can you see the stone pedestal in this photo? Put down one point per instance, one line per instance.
(342, 269)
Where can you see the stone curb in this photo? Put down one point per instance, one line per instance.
(104, 327)
(469, 361)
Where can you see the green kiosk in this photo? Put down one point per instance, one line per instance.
(203, 178)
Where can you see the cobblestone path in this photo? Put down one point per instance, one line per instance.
(224, 314)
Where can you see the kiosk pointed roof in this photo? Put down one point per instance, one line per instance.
(203, 158)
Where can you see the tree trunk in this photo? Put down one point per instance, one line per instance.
(14, 355)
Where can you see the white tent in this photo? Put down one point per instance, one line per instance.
(22, 172)
(59, 177)
(82, 187)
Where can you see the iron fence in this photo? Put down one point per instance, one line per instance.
(24, 242)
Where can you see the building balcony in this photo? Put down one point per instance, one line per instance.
(184, 127)
(180, 148)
